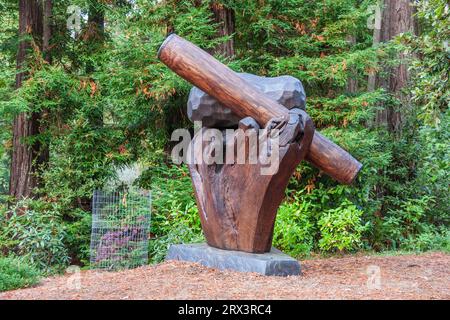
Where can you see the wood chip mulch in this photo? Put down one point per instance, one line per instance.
(424, 276)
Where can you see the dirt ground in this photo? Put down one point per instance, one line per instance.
(423, 276)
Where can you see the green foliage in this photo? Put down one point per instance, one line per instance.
(429, 239)
(341, 228)
(78, 236)
(418, 209)
(109, 102)
(430, 88)
(295, 228)
(408, 226)
(175, 216)
(431, 97)
(36, 233)
(17, 273)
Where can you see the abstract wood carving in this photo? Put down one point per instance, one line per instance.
(211, 76)
(237, 202)
(238, 205)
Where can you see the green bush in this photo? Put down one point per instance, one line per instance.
(17, 273)
(294, 228)
(341, 228)
(36, 233)
(430, 238)
(408, 227)
(78, 236)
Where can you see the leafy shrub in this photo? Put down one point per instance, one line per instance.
(78, 236)
(17, 273)
(179, 233)
(294, 228)
(408, 227)
(175, 216)
(37, 234)
(405, 221)
(341, 228)
(430, 239)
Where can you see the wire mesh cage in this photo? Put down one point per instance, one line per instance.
(120, 227)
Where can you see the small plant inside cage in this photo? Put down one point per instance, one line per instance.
(120, 226)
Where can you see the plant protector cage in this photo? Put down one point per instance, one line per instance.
(120, 228)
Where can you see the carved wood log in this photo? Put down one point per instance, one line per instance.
(219, 81)
(237, 202)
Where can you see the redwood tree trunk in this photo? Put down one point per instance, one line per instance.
(397, 18)
(225, 18)
(24, 166)
(96, 20)
(372, 79)
(47, 30)
(352, 80)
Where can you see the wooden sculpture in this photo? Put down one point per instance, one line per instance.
(237, 204)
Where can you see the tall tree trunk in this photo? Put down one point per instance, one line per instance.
(44, 155)
(225, 18)
(95, 39)
(372, 79)
(352, 80)
(397, 18)
(96, 20)
(47, 30)
(24, 166)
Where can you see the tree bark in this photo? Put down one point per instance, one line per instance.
(44, 155)
(23, 178)
(96, 19)
(352, 81)
(397, 18)
(47, 30)
(372, 79)
(225, 18)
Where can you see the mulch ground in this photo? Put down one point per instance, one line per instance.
(424, 276)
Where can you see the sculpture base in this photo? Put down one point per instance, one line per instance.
(273, 263)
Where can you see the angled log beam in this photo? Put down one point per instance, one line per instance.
(210, 75)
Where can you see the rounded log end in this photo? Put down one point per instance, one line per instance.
(353, 174)
(333, 160)
(347, 171)
(169, 37)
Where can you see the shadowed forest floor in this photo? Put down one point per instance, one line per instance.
(424, 276)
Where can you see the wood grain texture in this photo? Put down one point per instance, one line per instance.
(213, 77)
(25, 158)
(237, 204)
(225, 19)
(205, 72)
(332, 159)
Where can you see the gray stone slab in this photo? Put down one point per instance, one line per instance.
(287, 90)
(273, 263)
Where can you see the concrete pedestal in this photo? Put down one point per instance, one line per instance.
(273, 263)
